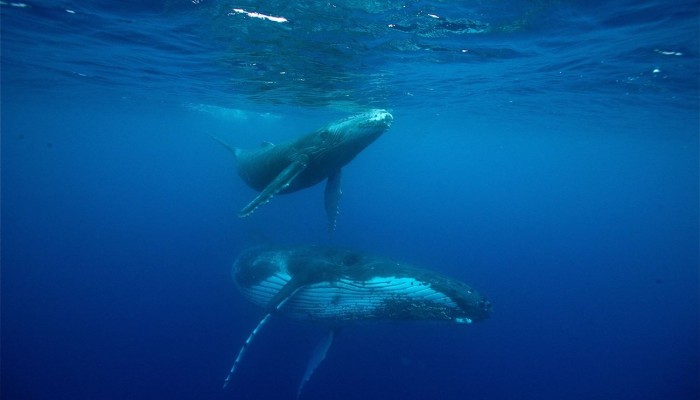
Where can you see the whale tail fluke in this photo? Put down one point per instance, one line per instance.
(234, 150)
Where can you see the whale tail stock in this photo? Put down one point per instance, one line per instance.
(234, 150)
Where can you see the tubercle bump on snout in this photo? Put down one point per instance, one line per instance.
(381, 115)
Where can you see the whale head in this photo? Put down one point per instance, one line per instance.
(344, 139)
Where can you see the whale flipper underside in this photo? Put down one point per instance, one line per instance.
(317, 357)
(332, 199)
(271, 310)
(282, 181)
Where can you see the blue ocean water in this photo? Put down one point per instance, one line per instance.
(545, 152)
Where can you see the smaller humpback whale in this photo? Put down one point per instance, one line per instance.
(307, 160)
(337, 287)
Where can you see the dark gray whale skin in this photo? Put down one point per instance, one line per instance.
(307, 160)
(341, 286)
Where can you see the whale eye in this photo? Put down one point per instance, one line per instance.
(323, 135)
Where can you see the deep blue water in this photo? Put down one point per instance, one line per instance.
(545, 152)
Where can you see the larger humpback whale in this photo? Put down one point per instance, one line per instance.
(339, 286)
(307, 160)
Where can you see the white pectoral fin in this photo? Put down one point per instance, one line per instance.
(241, 352)
(332, 199)
(317, 357)
(291, 290)
(279, 183)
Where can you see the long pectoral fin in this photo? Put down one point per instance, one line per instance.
(317, 357)
(273, 308)
(279, 183)
(332, 199)
(241, 352)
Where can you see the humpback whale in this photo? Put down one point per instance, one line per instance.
(338, 286)
(307, 160)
